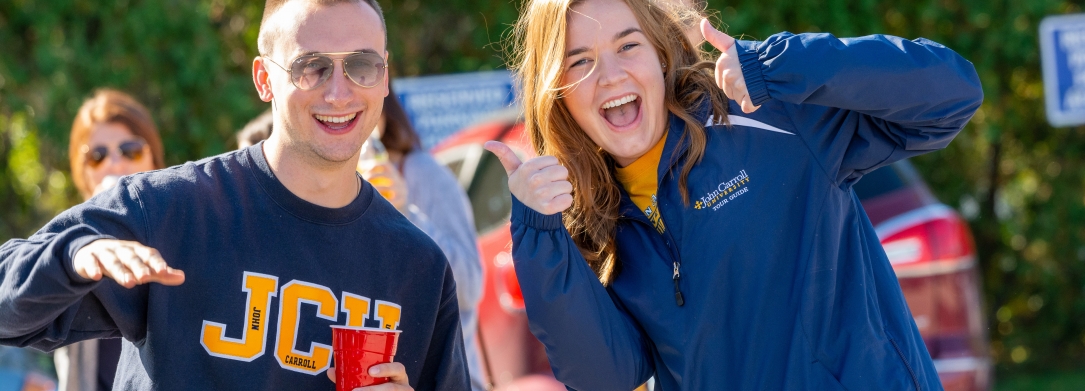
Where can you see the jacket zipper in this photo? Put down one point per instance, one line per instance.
(676, 276)
(677, 292)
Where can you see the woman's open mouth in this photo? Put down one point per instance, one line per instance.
(336, 124)
(621, 112)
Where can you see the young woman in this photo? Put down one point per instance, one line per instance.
(113, 135)
(714, 241)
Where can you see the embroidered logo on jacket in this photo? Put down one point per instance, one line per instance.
(725, 192)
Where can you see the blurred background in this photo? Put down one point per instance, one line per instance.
(1018, 182)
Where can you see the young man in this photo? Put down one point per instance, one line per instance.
(279, 241)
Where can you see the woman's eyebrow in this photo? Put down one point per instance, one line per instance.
(617, 36)
(575, 52)
(626, 32)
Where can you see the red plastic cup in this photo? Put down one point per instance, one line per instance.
(356, 350)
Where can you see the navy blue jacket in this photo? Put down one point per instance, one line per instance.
(267, 274)
(785, 283)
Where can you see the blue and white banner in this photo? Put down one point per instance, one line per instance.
(1062, 44)
(441, 105)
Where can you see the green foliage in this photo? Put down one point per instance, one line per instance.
(189, 63)
(1019, 181)
(1045, 380)
(428, 37)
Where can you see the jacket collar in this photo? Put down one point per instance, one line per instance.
(673, 150)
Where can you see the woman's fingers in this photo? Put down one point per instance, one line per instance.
(542, 162)
(720, 68)
(728, 85)
(552, 173)
(548, 196)
(537, 182)
(728, 72)
(561, 202)
(389, 183)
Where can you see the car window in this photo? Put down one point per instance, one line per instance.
(489, 194)
(455, 166)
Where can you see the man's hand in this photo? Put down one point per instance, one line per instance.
(728, 68)
(388, 181)
(540, 183)
(394, 371)
(128, 263)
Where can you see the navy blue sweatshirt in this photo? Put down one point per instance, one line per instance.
(784, 283)
(267, 274)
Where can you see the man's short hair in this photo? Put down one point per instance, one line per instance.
(268, 34)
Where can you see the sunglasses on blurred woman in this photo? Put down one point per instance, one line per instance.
(131, 150)
(310, 71)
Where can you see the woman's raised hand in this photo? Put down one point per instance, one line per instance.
(728, 68)
(541, 183)
(389, 183)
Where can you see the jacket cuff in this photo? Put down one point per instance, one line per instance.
(751, 71)
(522, 214)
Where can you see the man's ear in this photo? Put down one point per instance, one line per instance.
(260, 78)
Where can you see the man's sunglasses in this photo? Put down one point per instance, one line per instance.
(309, 71)
(131, 150)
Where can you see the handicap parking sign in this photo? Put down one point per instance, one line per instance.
(1062, 44)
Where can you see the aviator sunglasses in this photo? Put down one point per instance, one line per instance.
(309, 71)
(131, 150)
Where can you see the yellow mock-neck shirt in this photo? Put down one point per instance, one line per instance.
(640, 181)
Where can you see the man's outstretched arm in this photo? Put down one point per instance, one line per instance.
(47, 282)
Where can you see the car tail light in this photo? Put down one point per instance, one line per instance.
(508, 286)
(927, 241)
(933, 255)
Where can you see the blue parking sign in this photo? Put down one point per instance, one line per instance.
(440, 105)
(1062, 44)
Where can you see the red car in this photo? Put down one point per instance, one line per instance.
(928, 243)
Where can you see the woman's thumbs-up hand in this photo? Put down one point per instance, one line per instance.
(541, 183)
(728, 68)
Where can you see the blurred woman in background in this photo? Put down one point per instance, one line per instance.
(428, 194)
(113, 135)
(257, 130)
